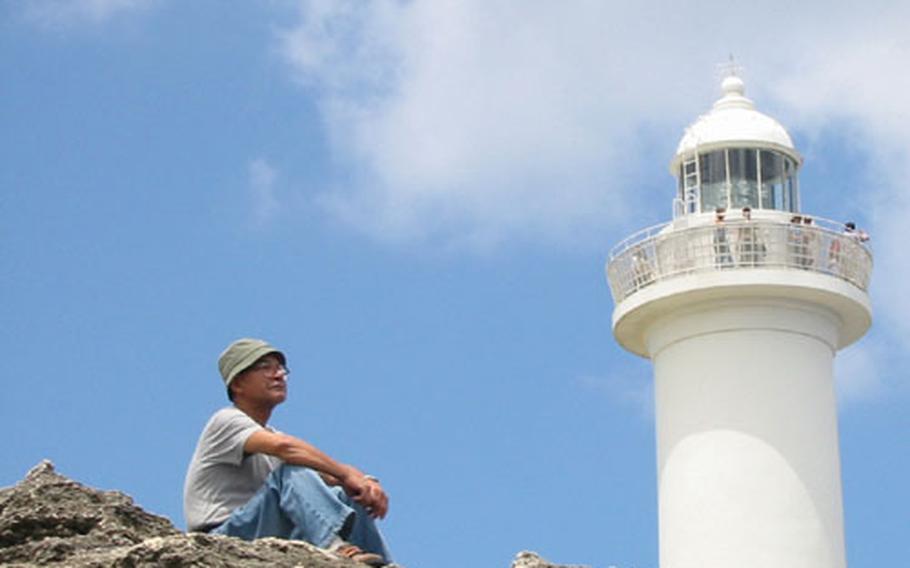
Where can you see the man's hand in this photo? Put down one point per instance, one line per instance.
(367, 492)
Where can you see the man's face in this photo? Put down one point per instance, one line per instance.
(264, 382)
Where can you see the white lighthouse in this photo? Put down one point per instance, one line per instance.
(741, 302)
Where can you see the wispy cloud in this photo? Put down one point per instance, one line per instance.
(499, 120)
(477, 122)
(857, 374)
(858, 79)
(67, 13)
(262, 178)
(631, 390)
(471, 121)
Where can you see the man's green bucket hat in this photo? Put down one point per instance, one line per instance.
(242, 353)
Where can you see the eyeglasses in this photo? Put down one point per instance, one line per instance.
(271, 367)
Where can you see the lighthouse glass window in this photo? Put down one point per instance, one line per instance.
(772, 180)
(778, 181)
(791, 186)
(743, 178)
(740, 177)
(713, 173)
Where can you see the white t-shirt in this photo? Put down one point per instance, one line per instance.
(221, 477)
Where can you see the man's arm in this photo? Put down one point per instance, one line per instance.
(299, 452)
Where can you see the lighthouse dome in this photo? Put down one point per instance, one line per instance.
(733, 122)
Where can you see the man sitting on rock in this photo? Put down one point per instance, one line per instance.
(250, 481)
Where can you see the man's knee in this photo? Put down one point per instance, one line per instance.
(287, 470)
(298, 477)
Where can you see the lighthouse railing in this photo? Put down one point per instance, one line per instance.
(662, 252)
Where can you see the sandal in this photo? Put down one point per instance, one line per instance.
(355, 553)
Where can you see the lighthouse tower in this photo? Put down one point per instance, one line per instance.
(741, 302)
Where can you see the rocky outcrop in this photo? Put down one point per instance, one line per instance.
(50, 520)
(532, 560)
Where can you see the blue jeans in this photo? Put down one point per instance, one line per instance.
(295, 503)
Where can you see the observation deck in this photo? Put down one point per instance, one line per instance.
(661, 252)
(664, 268)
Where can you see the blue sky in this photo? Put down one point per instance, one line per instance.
(415, 201)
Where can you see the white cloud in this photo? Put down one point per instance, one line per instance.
(476, 122)
(857, 374)
(860, 78)
(262, 178)
(473, 121)
(64, 13)
(487, 121)
(632, 390)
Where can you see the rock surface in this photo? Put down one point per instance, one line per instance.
(50, 520)
(532, 560)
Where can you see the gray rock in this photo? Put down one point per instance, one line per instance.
(50, 520)
(526, 559)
